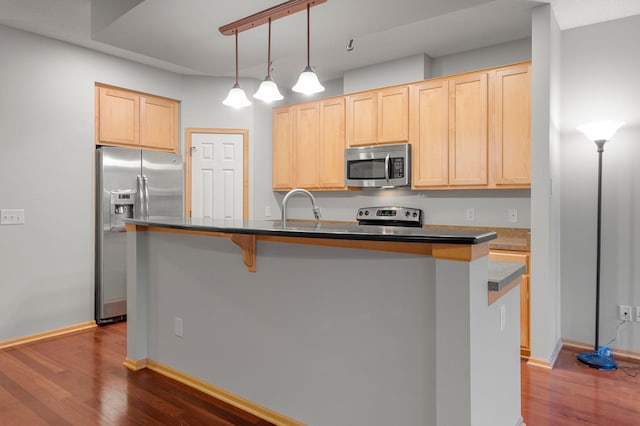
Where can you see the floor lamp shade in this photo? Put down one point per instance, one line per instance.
(599, 132)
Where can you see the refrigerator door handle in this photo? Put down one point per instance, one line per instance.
(145, 181)
(139, 197)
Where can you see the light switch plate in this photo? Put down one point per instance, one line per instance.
(11, 216)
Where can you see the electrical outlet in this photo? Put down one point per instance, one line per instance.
(12, 217)
(471, 213)
(178, 327)
(513, 215)
(503, 317)
(267, 211)
(624, 312)
(637, 313)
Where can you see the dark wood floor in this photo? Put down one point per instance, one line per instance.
(79, 380)
(572, 394)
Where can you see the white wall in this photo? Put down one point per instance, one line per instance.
(401, 71)
(545, 190)
(492, 56)
(600, 81)
(46, 168)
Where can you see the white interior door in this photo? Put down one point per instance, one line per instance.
(217, 175)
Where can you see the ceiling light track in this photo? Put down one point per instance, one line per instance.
(276, 12)
(308, 82)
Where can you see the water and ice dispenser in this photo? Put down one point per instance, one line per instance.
(121, 207)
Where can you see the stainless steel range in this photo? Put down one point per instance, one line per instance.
(389, 216)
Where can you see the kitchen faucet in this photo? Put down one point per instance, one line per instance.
(283, 205)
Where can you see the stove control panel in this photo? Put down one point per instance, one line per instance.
(399, 216)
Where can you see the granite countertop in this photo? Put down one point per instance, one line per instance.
(513, 239)
(502, 273)
(331, 230)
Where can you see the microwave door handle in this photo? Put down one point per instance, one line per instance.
(386, 167)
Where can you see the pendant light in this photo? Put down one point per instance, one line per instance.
(308, 82)
(268, 90)
(236, 97)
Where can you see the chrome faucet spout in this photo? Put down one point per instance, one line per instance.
(285, 200)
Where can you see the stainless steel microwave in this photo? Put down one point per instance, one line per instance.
(378, 166)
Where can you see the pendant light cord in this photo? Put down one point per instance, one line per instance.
(236, 32)
(269, 52)
(308, 34)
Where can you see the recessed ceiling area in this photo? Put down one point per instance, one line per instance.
(182, 36)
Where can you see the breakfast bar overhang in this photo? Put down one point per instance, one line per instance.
(326, 324)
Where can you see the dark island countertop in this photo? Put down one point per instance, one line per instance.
(329, 230)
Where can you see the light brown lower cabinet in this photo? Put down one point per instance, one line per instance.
(519, 257)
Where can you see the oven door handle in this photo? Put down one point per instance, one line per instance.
(386, 167)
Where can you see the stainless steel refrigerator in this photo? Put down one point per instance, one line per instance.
(129, 183)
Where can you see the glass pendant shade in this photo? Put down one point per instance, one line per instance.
(268, 91)
(236, 98)
(600, 130)
(308, 83)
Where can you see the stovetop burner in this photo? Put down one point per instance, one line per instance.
(389, 216)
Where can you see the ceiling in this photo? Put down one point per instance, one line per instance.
(182, 36)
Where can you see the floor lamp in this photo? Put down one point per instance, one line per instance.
(599, 132)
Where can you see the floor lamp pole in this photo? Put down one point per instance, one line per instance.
(600, 145)
(600, 133)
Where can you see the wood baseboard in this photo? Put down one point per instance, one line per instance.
(47, 334)
(550, 362)
(134, 365)
(235, 400)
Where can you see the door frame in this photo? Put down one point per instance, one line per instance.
(189, 132)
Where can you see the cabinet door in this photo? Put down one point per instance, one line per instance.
(430, 134)
(511, 126)
(332, 143)
(468, 103)
(158, 123)
(393, 115)
(118, 117)
(362, 119)
(282, 147)
(306, 145)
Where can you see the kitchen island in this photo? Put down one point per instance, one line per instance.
(325, 324)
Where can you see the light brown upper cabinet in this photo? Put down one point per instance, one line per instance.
(468, 137)
(510, 130)
(126, 118)
(308, 145)
(332, 143)
(467, 131)
(282, 148)
(472, 131)
(430, 133)
(378, 117)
